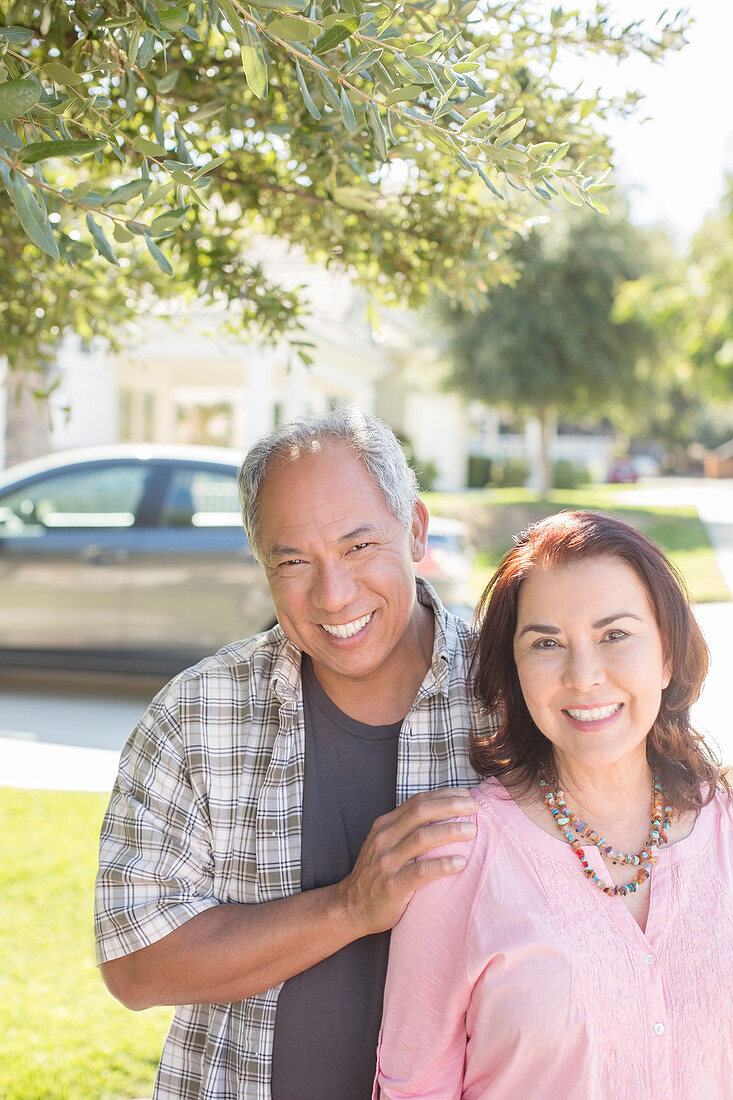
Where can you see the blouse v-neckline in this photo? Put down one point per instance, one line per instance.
(669, 855)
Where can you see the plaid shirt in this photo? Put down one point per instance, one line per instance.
(207, 809)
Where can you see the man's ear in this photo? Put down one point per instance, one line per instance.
(419, 532)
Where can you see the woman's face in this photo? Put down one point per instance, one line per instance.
(589, 657)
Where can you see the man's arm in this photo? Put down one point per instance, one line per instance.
(233, 951)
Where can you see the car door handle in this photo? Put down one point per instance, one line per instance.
(104, 555)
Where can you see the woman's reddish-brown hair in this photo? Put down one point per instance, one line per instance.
(516, 747)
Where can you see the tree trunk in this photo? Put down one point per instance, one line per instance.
(545, 423)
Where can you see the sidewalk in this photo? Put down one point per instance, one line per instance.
(41, 766)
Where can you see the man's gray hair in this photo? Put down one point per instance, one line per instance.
(372, 441)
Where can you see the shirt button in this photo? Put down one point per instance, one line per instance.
(649, 959)
(658, 1029)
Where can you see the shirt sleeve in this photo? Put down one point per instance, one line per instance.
(155, 859)
(422, 1043)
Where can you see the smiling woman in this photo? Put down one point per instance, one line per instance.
(585, 950)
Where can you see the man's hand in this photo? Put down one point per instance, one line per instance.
(389, 868)
(232, 950)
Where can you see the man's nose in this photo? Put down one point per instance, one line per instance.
(584, 668)
(334, 587)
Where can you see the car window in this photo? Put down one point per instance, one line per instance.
(201, 498)
(103, 497)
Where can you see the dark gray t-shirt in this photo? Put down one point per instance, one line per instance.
(328, 1018)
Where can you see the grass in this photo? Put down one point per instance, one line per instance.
(63, 1036)
(495, 515)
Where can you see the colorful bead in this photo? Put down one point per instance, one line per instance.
(644, 860)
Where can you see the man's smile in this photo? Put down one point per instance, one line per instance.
(347, 630)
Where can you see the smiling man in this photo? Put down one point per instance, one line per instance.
(266, 828)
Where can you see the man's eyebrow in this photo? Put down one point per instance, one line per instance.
(284, 552)
(355, 535)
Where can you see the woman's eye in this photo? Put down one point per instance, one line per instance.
(615, 635)
(544, 643)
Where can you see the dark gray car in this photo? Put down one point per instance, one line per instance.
(133, 558)
(125, 557)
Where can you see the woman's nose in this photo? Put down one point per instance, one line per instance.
(584, 668)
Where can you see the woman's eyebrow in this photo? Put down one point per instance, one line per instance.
(544, 628)
(539, 628)
(612, 619)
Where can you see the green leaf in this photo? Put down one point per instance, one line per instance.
(307, 97)
(171, 219)
(31, 214)
(329, 92)
(512, 131)
(120, 234)
(17, 35)
(488, 182)
(279, 5)
(208, 167)
(158, 256)
(62, 74)
(347, 112)
(253, 61)
(147, 49)
(361, 61)
(17, 97)
(42, 150)
(403, 95)
(168, 82)
(558, 153)
(104, 248)
(378, 131)
(126, 191)
(232, 18)
(336, 34)
(406, 68)
(474, 121)
(294, 29)
(149, 148)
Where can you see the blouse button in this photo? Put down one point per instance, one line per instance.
(658, 1029)
(649, 959)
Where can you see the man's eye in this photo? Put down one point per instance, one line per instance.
(360, 545)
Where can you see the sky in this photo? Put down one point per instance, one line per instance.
(674, 164)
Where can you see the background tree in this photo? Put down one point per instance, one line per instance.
(688, 303)
(377, 135)
(550, 345)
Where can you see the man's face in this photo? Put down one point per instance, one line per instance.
(339, 565)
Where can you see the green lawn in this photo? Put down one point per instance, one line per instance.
(495, 515)
(62, 1037)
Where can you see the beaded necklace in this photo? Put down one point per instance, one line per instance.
(575, 831)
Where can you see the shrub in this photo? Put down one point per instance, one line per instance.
(510, 473)
(566, 475)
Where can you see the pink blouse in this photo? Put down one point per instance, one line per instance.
(517, 979)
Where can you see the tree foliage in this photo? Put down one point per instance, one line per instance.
(688, 304)
(551, 346)
(157, 137)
